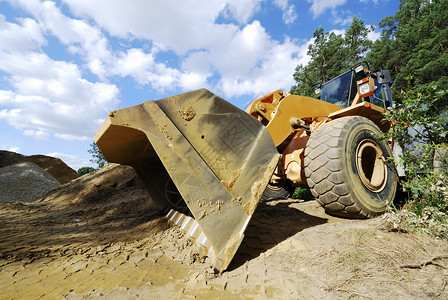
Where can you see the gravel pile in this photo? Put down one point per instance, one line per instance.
(56, 167)
(25, 182)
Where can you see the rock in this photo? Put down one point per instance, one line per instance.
(25, 182)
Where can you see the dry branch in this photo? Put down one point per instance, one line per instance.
(432, 261)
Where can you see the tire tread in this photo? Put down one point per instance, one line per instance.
(324, 171)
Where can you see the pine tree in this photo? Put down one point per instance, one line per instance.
(414, 45)
(356, 40)
(327, 57)
(331, 54)
(97, 156)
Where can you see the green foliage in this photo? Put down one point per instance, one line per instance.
(424, 158)
(98, 157)
(356, 41)
(414, 45)
(85, 170)
(327, 55)
(421, 120)
(302, 193)
(331, 53)
(429, 191)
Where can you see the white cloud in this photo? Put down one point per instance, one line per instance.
(250, 62)
(338, 32)
(304, 58)
(46, 96)
(319, 6)
(373, 35)
(207, 49)
(51, 96)
(342, 17)
(14, 149)
(21, 37)
(80, 37)
(267, 76)
(242, 11)
(5, 97)
(38, 116)
(243, 51)
(193, 81)
(38, 134)
(289, 13)
(177, 25)
(74, 161)
(135, 63)
(142, 66)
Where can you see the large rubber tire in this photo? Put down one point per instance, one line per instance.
(347, 168)
(275, 192)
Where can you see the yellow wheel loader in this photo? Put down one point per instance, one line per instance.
(208, 164)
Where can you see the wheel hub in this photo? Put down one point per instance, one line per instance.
(371, 165)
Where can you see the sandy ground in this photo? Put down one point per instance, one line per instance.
(100, 237)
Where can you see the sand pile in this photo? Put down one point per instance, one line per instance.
(97, 212)
(112, 189)
(25, 182)
(56, 167)
(28, 178)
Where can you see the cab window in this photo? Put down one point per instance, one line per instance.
(336, 91)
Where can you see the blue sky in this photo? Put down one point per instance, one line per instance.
(65, 64)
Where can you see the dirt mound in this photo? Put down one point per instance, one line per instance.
(25, 182)
(114, 190)
(103, 207)
(8, 158)
(56, 167)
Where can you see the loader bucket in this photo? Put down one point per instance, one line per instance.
(219, 158)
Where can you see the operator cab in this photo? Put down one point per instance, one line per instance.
(373, 87)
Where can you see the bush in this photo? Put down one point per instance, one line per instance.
(420, 124)
(302, 193)
(85, 170)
